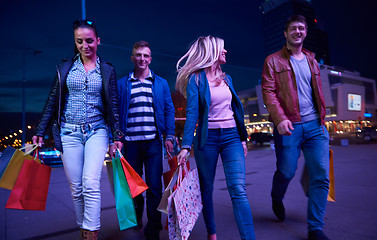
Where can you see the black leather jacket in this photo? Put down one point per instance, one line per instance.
(53, 109)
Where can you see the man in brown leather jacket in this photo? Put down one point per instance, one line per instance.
(292, 93)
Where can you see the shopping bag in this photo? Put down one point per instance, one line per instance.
(163, 206)
(172, 220)
(305, 179)
(185, 204)
(173, 227)
(135, 182)
(173, 163)
(109, 169)
(31, 187)
(188, 202)
(124, 202)
(13, 168)
(331, 195)
(5, 157)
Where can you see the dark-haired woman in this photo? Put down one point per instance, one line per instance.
(81, 107)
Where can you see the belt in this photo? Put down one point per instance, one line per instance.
(83, 127)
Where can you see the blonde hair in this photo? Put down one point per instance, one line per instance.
(202, 54)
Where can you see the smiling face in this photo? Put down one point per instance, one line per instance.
(295, 34)
(222, 57)
(86, 42)
(141, 58)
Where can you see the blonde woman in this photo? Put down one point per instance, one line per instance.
(211, 99)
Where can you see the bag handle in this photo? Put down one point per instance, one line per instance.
(119, 153)
(169, 155)
(180, 175)
(37, 156)
(173, 179)
(183, 170)
(35, 146)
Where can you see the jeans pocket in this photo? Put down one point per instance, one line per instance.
(99, 127)
(65, 131)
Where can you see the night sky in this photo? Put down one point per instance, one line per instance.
(170, 27)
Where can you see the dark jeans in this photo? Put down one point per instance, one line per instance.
(227, 143)
(312, 139)
(148, 153)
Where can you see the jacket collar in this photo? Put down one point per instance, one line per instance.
(150, 75)
(203, 75)
(287, 53)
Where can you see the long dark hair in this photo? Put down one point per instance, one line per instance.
(83, 24)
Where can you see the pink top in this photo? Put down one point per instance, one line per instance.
(220, 110)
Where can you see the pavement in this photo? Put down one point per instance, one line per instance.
(351, 217)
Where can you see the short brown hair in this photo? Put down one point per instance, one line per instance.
(138, 45)
(295, 18)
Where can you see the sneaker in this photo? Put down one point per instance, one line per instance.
(317, 235)
(279, 210)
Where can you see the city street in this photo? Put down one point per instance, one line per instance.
(351, 217)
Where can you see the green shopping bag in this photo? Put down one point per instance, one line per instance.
(124, 202)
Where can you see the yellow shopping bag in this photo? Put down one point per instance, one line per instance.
(305, 179)
(9, 177)
(331, 196)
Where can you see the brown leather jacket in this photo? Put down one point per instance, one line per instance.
(280, 90)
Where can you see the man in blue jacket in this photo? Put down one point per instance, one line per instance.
(146, 117)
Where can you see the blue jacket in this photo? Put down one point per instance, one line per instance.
(162, 104)
(198, 103)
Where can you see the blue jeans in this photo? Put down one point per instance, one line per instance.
(84, 150)
(227, 143)
(148, 153)
(313, 139)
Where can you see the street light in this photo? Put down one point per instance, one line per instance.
(25, 53)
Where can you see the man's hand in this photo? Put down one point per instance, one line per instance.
(114, 147)
(181, 158)
(284, 127)
(37, 140)
(169, 146)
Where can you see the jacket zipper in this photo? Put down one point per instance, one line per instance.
(60, 94)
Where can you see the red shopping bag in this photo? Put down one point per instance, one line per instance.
(135, 182)
(31, 187)
(173, 163)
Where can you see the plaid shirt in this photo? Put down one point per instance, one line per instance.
(83, 103)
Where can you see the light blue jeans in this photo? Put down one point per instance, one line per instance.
(227, 143)
(313, 139)
(84, 149)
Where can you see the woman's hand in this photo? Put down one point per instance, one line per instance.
(182, 156)
(244, 148)
(37, 140)
(114, 147)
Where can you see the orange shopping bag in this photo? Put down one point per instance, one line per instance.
(135, 182)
